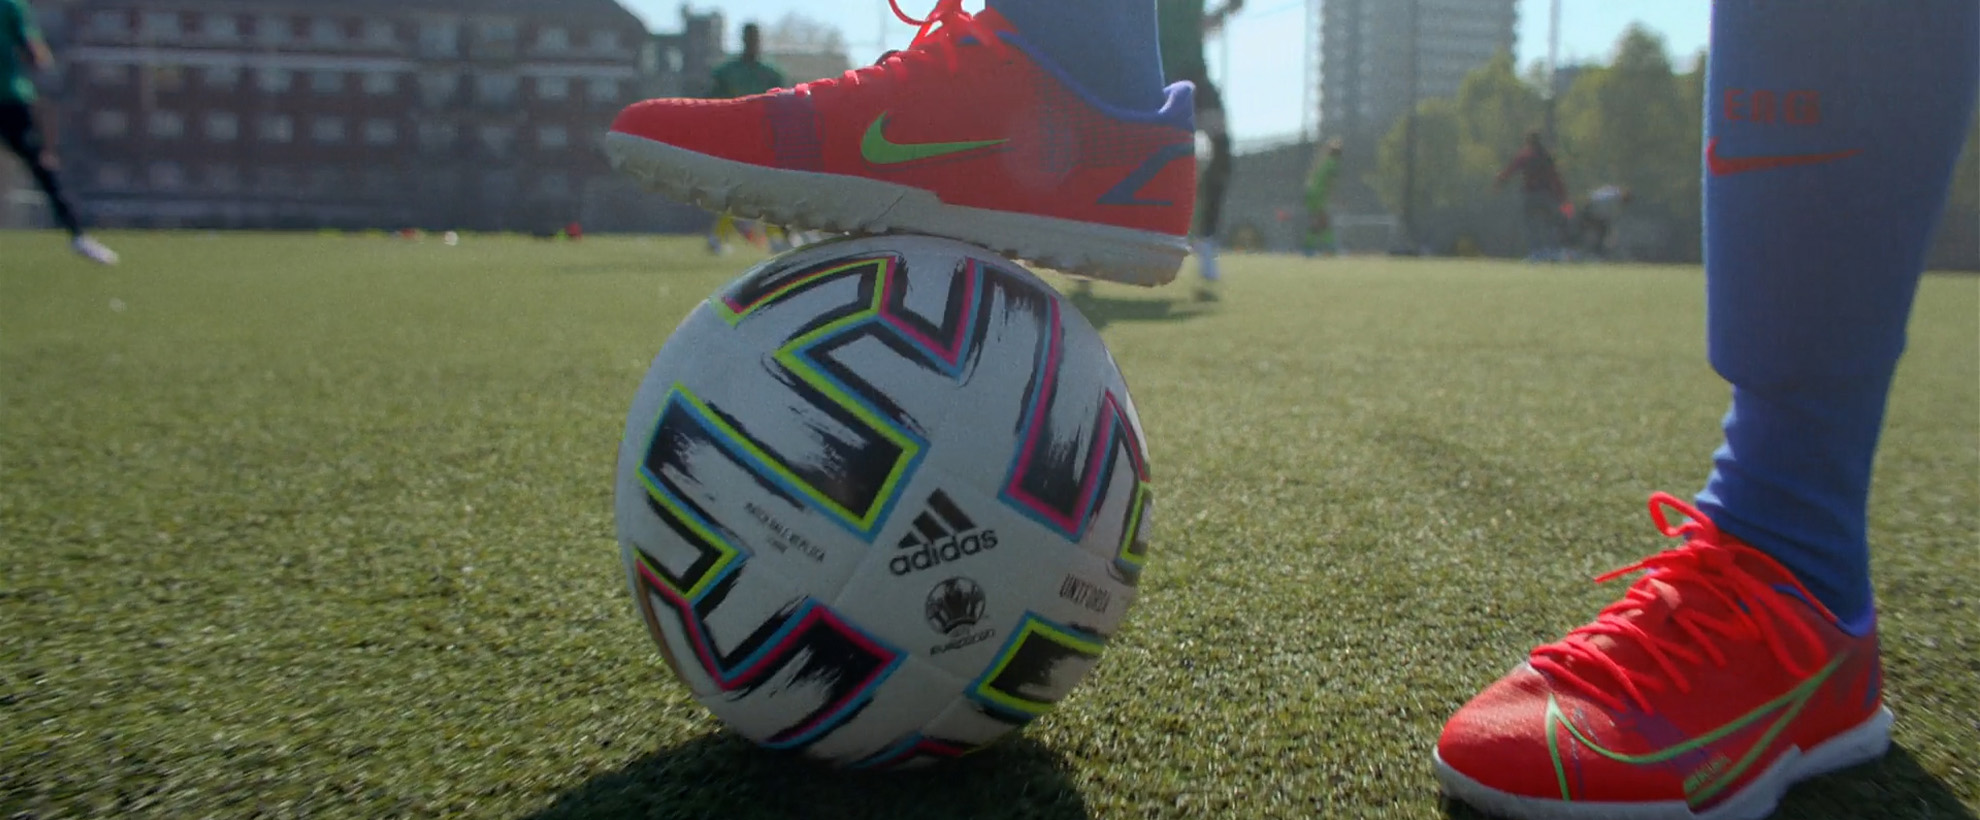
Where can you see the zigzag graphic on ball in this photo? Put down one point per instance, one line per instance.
(807, 640)
(1026, 662)
(915, 747)
(1047, 482)
(858, 484)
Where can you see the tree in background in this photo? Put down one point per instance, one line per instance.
(1638, 124)
(1461, 144)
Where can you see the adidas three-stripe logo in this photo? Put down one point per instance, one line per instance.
(942, 533)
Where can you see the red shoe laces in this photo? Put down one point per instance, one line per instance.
(937, 35)
(1705, 565)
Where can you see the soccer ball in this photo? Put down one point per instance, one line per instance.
(882, 500)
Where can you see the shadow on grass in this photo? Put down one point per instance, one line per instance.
(1102, 311)
(722, 775)
(1894, 788)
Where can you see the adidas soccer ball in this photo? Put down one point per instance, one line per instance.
(882, 500)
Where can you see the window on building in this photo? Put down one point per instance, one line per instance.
(381, 132)
(497, 32)
(166, 77)
(272, 29)
(223, 178)
(498, 138)
(380, 181)
(324, 179)
(605, 41)
(380, 34)
(552, 137)
(275, 179)
(326, 82)
(165, 125)
(220, 28)
(112, 175)
(554, 184)
(553, 39)
(221, 77)
(273, 80)
(380, 83)
(495, 89)
(222, 126)
(159, 26)
(440, 38)
(277, 128)
(109, 74)
(109, 124)
(327, 130)
(436, 88)
(109, 25)
(602, 90)
(553, 88)
(326, 32)
(167, 176)
(437, 135)
(500, 185)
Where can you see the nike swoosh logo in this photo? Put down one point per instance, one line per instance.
(879, 150)
(1727, 166)
(1782, 709)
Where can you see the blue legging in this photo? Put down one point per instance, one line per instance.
(1833, 127)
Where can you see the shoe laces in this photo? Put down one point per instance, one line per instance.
(937, 39)
(1707, 564)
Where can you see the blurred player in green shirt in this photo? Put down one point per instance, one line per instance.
(747, 73)
(21, 50)
(741, 76)
(1182, 25)
(1319, 189)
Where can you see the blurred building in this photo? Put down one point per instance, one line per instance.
(471, 114)
(680, 63)
(1368, 53)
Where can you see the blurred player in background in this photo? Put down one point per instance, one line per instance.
(744, 75)
(1320, 236)
(1544, 197)
(1594, 221)
(1184, 25)
(22, 49)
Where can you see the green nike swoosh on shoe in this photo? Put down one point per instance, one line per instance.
(877, 149)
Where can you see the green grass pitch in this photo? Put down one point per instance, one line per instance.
(299, 526)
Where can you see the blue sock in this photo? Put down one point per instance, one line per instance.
(1109, 47)
(1832, 129)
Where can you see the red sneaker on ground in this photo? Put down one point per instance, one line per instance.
(966, 134)
(1712, 686)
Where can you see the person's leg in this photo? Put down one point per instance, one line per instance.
(1107, 46)
(1812, 256)
(1216, 176)
(1833, 126)
(17, 129)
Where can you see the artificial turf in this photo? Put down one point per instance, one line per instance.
(300, 526)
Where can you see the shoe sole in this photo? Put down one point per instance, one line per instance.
(1862, 744)
(856, 205)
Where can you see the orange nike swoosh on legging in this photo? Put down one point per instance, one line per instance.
(1727, 166)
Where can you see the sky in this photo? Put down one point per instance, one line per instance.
(1264, 88)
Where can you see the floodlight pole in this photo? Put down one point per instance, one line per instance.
(1553, 66)
(1409, 133)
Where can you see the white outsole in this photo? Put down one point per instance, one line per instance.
(1862, 744)
(855, 205)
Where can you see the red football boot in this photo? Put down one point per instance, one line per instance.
(1711, 687)
(967, 134)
